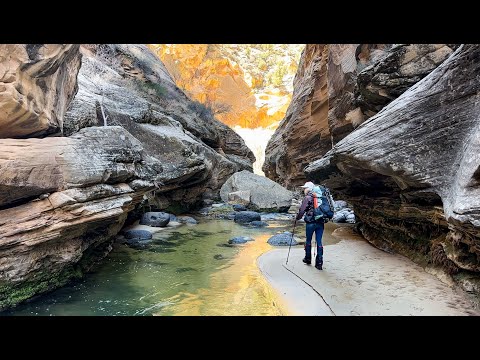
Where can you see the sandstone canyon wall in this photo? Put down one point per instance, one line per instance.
(397, 139)
(196, 152)
(336, 88)
(64, 197)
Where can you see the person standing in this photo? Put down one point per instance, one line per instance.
(312, 226)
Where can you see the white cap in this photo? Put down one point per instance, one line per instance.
(309, 185)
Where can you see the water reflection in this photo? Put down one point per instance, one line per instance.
(186, 271)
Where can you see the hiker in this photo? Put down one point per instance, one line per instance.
(312, 226)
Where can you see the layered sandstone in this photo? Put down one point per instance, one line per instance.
(37, 82)
(411, 171)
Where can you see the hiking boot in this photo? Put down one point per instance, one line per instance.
(318, 266)
(307, 261)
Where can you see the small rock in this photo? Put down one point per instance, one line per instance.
(238, 207)
(137, 234)
(205, 210)
(207, 202)
(186, 220)
(239, 240)
(258, 223)
(284, 239)
(246, 217)
(350, 218)
(339, 205)
(218, 205)
(218, 257)
(277, 216)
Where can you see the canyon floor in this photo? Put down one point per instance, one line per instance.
(359, 279)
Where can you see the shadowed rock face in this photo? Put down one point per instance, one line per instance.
(402, 67)
(197, 153)
(411, 171)
(37, 82)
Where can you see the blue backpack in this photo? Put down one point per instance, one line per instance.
(323, 208)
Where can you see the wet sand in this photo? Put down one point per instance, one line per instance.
(359, 279)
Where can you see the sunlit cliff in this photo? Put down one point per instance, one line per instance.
(248, 85)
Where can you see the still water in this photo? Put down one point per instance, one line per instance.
(188, 270)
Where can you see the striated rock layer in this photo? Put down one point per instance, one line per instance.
(72, 196)
(412, 171)
(197, 153)
(320, 113)
(37, 82)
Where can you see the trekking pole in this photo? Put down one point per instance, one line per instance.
(293, 232)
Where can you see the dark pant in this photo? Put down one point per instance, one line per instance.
(318, 230)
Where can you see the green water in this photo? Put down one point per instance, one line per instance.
(187, 270)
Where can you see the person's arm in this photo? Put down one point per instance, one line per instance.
(303, 207)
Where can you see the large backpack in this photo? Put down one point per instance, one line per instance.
(323, 208)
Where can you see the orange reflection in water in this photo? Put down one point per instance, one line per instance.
(237, 288)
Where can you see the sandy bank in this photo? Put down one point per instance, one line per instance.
(359, 279)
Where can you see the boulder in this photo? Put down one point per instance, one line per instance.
(265, 194)
(137, 234)
(139, 244)
(283, 239)
(155, 219)
(350, 218)
(186, 220)
(243, 217)
(239, 197)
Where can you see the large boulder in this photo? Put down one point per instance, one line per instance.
(265, 194)
(239, 197)
(411, 171)
(37, 83)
